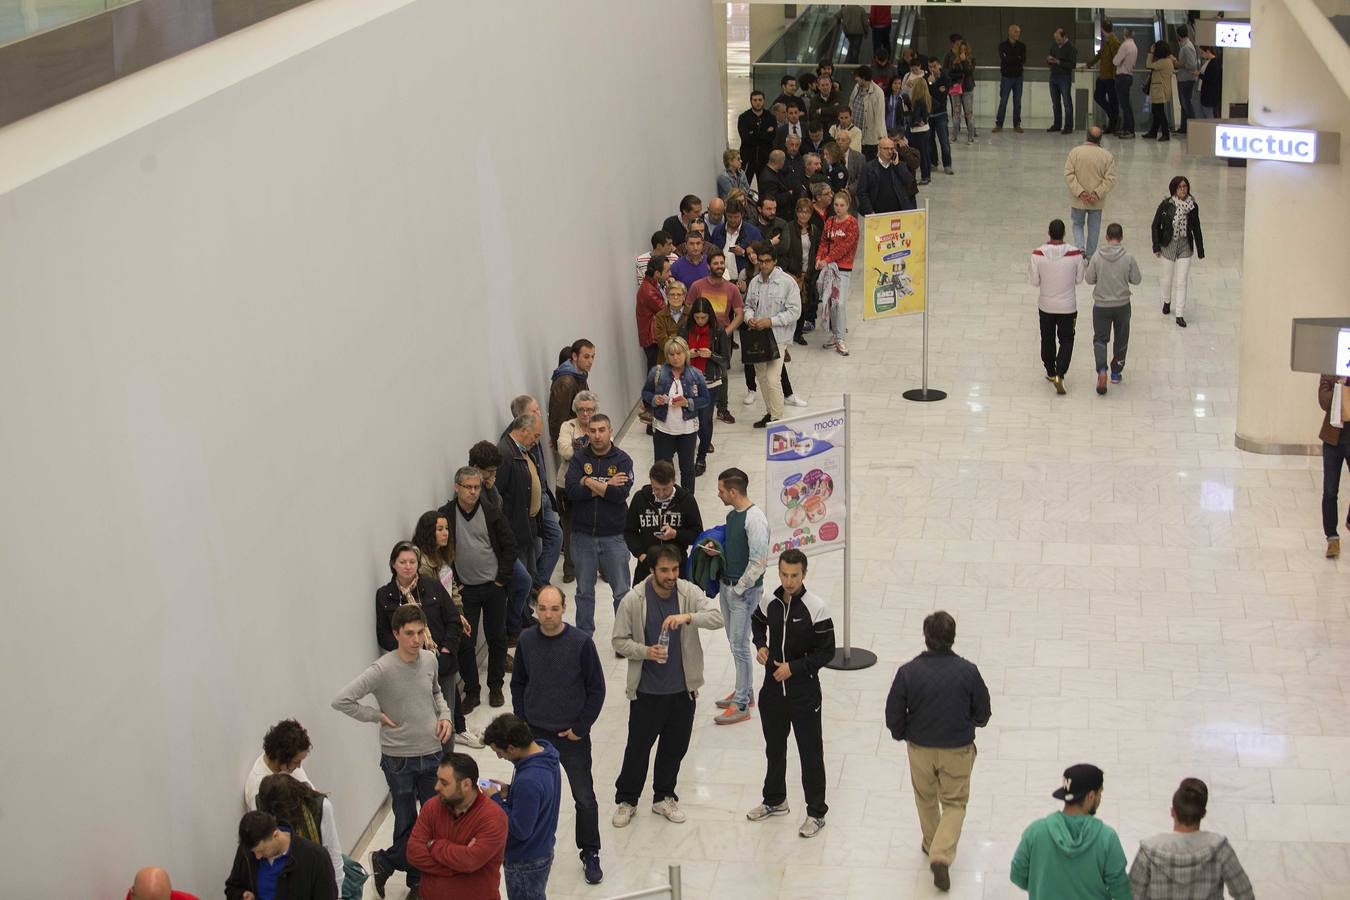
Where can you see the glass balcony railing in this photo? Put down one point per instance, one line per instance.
(53, 50)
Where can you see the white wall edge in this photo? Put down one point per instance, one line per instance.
(46, 141)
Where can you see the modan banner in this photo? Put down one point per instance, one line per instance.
(807, 484)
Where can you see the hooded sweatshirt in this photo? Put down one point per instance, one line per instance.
(647, 516)
(1070, 858)
(532, 806)
(1112, 269)
(1194, 865)
(1056, 268)
(568, 381)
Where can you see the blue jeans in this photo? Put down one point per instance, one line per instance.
(1093, 218)
(938, 124)
(1009, 86)
(528, 878)
(550, 534)
(608, 554)
(736, 612)
(1061, 94)
(1123, 85)
(1186, 96)
(705, 429)
(412, 782)
(517, 596)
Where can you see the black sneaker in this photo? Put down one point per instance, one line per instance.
(380, 868)
(1167, 309)
(590, 864)
(496, 699)
(468, 705)
(1181, 321)
(798, 339)
(1054, 128)
(765, 421)
(700, 467)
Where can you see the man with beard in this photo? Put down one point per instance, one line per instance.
(728, 306)
(756, 127)
(1072, 853)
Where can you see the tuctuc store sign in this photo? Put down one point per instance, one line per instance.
(1281, 144)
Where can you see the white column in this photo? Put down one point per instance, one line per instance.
(1295, 262)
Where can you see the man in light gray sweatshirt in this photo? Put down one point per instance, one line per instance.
(414, 722)
(1111, 271)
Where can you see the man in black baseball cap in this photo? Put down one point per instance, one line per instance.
(1072, 853)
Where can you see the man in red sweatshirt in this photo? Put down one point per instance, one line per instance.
(460, 837)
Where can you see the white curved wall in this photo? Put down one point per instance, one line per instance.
(243, 345)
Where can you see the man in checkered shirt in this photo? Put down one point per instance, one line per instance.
(1187, 863)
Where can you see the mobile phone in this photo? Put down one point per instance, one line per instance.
(485, 783)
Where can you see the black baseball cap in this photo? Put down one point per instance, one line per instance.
(1078, 781)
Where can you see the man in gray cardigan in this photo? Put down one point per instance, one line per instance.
(665, 671)
(1111, 271)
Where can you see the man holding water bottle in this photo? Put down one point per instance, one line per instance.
(654, 628)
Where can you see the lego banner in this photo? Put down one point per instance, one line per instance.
(895, 263)
(806, 481)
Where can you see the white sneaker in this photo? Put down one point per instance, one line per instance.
(469, 738)
(794, 400)
(670, 808)
(841, 348)
(764, 810)
(623, 814)
(811, 827)
(751, 398)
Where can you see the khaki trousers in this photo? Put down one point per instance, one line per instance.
(769, 377)
(941, 779)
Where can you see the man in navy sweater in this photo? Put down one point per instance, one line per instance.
(558, 688)
(599, 479)
(531, 803)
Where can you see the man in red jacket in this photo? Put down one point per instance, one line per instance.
(460, 837)
(651, 299)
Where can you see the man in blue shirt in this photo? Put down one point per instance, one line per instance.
(531, 803)
(273, 864)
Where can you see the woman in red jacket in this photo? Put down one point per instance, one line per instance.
(834, 261)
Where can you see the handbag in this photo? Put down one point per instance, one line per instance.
(758, 346)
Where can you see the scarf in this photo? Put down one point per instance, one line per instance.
(1337, 417)
(1181, 209)
(856, 105)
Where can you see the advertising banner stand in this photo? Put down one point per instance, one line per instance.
(925, 394)
(808, 470)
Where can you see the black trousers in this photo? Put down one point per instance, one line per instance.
(575, 757)
(488, 603)
(666, 720)
(677, 446)
(779, 714)
(1059, 325)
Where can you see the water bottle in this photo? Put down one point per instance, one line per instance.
(664, 643)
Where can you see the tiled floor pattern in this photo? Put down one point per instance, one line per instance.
(1137, 592)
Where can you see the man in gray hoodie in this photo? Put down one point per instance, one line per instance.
(1187, 863)
(1111, 271)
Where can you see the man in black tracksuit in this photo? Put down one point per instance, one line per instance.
(661, 513)
(794, 638)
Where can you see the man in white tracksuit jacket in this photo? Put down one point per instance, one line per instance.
(1057, 269)
(773, 300)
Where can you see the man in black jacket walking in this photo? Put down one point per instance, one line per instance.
(794, 639)
(296, 869)
(887, 185)
(936, 702)
(660, 513)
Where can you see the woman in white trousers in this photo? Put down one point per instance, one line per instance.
(1176, 241)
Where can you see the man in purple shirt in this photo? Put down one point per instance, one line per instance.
(693, 265)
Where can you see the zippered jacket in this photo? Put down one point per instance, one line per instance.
(797, 630)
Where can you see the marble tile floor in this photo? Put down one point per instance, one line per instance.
(1137, 592)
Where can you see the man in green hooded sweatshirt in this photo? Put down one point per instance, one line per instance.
(1071, 855)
